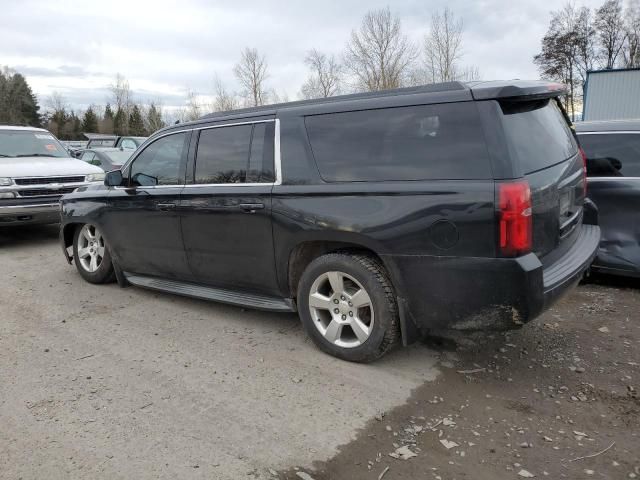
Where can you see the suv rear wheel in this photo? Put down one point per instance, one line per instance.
(91, 255)
(347, 306)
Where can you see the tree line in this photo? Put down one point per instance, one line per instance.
(378, 55)
(580, 39)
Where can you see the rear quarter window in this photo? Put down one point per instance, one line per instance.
(538, 136)
(443, 141)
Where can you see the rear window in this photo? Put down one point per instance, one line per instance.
(612, 154)
(538, 135)
(443, 141)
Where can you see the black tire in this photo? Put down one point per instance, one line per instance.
(371, 275)
(104, 272)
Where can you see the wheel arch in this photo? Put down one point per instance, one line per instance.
(302, 254)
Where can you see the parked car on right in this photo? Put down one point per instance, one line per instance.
(612, 149)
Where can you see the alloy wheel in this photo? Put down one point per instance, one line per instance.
(341, 309)
(90, 248)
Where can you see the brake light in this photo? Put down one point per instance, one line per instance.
(584, 170)
(514, 203)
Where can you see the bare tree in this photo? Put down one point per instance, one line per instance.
(275, 97)
(57, 103)
(611, 34)
(469, 73)
(325, 78)
(251, 72)
(443, 46)
(584, 37)
(223, 100)
(121, 94)
(193, 110)
(631, 48)
(378, 55)
(566, 55)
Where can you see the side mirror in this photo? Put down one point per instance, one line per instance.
(113, 178)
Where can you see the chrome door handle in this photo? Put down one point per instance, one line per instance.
(165, 207)
(251, 207)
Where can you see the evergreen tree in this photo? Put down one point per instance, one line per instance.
(76, 129)
(18, 104)
(106, 124)
(153, 120)
(136, 123)
(108, 113)
(120, 122)
(90, 121)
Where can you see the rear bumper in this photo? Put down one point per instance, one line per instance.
(29, 213)
(485, 293)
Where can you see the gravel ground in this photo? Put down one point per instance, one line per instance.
(103, 382)
(557, 399)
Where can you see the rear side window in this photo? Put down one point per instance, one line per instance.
(235, 154)
(538, 135)
(443, 141)
(612, 154)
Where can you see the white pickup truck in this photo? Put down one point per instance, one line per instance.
(35, 171)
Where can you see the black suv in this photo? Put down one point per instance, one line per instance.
(375, 216)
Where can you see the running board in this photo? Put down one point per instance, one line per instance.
(250, 300)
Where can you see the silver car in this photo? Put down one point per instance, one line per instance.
(35, 171)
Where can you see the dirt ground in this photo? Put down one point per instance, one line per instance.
(103, 382)
(557, 399)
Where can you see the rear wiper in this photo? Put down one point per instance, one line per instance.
(34, 155)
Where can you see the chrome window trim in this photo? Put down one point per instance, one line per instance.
(609, 132)
(277, 161)
(591, 179)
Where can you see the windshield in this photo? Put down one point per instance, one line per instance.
(14, 143)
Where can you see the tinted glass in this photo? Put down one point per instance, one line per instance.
(223, 154)
(612, 154)
(407, 143)
(238, 154)
(117, 157)
(261, 158)
(538, 135)
(160, 162)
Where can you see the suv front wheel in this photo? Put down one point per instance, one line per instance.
(347, 306)
(91, 255)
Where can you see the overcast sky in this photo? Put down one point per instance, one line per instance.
(166, 47)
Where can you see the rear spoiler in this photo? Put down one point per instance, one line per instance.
(518, 90)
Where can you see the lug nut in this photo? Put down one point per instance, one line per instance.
(351, 304)
(351, 314)
(335, 301)
(335, 310)
(342, 297)
(344, 317)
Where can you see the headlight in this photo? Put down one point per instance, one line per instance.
(5, 182)
(95, 177)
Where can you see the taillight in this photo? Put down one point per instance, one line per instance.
(514, 204)
(584, 170)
